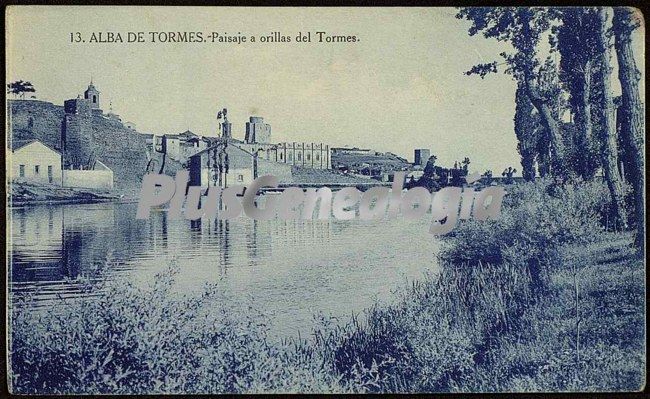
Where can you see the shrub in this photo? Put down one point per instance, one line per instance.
(126, 339)
(536, 219)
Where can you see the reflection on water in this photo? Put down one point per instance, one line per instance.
(288, 269)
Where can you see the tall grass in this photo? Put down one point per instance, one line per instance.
(501, 316)
(131, 339)
(541, 299)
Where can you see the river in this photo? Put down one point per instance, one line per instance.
(290, 270)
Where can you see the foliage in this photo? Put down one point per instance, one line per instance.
(523, 28)
(536, 219)
(576, 41)
(19, 88)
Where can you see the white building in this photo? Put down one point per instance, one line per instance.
(34, 162)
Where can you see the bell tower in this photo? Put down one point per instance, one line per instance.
(92, 94)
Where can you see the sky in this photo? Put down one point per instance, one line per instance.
(399, 87)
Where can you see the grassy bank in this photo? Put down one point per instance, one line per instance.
(541, 299)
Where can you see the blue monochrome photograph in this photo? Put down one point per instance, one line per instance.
(248, 200)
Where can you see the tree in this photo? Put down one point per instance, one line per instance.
(487, 177)
(609, 143)
(428, 178)
(523, 27)
(465, 164)
(624, 23)
(527, 129)
(19, 88)
(577, 39)
(508, 173)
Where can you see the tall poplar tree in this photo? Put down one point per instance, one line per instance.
(632, 129)
(609, 149)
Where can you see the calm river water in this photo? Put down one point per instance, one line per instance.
(290, 270)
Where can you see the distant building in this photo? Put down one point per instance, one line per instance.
(257, 131)
(225, 164)
(422, 156)
(226, 129)
(89, 140)
(305, 155)
(83, 135)
(92, 94)
(236, 166)
(414, 175)
(35, 162)
(179, 147)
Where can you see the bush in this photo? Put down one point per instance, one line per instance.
(536, 219)
(127, 339)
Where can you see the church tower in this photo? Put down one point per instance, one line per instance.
(92, 94)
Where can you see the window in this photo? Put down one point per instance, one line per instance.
(317, 156)
(299, 156)
(22, 171)
(240, 178)
(290, 157)
(37, 169)
(50, 174)
(308, 156)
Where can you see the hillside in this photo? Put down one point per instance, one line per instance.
(384, 161)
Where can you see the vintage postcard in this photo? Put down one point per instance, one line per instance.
(207, 200)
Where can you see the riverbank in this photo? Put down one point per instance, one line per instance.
(22, 194)
(541, 299)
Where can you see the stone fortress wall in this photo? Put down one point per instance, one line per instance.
(82, 135)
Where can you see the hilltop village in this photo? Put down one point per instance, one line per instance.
(79, 145)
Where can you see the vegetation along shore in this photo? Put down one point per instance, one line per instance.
(544, 298)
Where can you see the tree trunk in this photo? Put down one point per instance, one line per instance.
(525, 129)
(610, 148)
(585, 125)
(549, 122)
(548, 119)
(632, 110)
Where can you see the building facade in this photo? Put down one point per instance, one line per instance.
(225, 164)
(222, 166)
(99, 178)
(179, 147)
(306, 155)
(35, 162)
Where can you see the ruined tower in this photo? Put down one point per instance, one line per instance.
(422, 156)
(257, 131)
